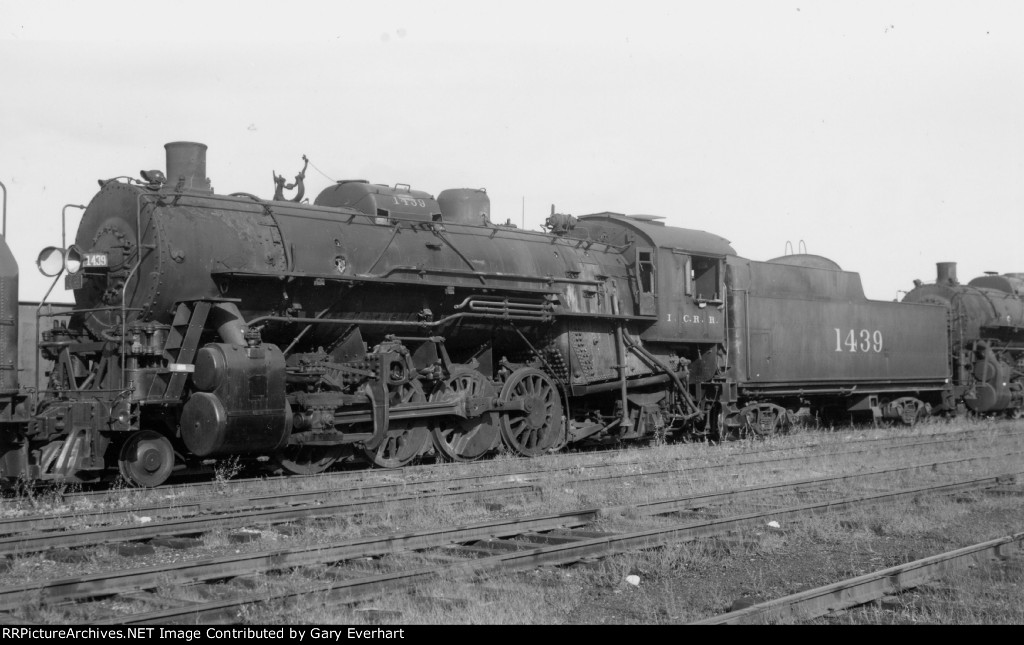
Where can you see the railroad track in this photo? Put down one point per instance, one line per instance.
(505, 535)
(562, 548)
(409, 474)
(863, 589)
(361, 495)
(31, 535)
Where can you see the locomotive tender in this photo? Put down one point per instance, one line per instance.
(382, 324)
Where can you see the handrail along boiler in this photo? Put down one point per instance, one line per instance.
(382, 324)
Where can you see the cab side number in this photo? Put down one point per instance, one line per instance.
(864, 340)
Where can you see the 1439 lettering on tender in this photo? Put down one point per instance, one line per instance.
(864, 340)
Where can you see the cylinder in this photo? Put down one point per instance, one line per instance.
(946, 273)
(210, 367)
(243, 410)
(186, 165)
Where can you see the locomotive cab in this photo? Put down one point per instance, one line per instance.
(679, 276)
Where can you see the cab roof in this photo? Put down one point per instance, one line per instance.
(657, 234)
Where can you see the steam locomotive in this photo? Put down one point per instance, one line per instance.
(383, 324)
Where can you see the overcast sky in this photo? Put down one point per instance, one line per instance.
(886, 135)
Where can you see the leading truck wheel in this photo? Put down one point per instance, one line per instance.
(538, 425)
(147, 459)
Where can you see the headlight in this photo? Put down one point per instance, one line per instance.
(51, 261)
(73, 259)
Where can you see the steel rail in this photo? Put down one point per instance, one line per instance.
(447, 467)
(556, 554)
(862, 589)
(251, 563)
(16, 528)
(36, 542)
(246, 564)
(17, 533)
(893, 443)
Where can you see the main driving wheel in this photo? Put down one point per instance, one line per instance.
(405, 439)
(538, 425)
(146, 459)
(459, 439)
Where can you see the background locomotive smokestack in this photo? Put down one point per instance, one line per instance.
(946, 273)
(187, 160)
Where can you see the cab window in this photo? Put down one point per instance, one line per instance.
(645, 264)
(704, 278)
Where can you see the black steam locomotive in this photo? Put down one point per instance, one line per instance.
(382, 324)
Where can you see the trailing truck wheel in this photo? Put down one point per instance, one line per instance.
(458, 439)
(146, 459)
(538, 425)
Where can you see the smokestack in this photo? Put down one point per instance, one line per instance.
(946, 273)
(186, 164)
